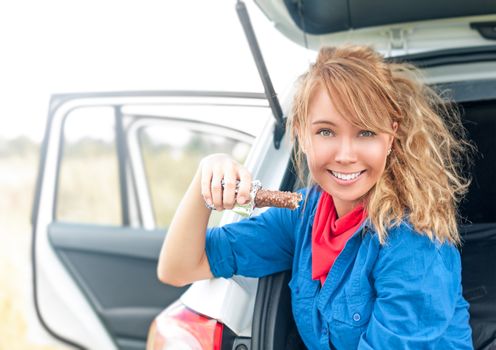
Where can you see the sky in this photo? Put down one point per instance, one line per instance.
(57, 46)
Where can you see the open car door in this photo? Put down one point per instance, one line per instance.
(113, 168)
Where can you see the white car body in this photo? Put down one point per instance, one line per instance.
(71, 315)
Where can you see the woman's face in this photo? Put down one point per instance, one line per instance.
(344, 160)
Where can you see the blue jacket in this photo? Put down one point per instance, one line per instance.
(406, 294)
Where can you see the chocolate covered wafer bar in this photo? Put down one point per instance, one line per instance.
(279, 199)
(264, 198)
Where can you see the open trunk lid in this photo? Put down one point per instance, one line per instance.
(392, 27)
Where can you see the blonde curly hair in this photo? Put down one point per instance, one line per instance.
(423, 179)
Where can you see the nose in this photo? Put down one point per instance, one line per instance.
(345, 153)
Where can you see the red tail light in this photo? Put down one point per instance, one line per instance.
(178, 327)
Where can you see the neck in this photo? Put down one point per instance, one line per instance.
(344, 207)
(342, 210)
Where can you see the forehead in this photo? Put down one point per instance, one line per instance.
(324, 108)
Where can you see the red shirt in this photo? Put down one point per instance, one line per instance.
(330, 234)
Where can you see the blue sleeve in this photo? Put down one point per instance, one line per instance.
(254, 247)
(418, 286)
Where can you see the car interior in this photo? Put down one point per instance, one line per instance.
(273, 324)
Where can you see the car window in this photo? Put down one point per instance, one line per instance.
(88, 184)
(171, 153)
(129, 162)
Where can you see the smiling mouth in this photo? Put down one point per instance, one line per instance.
(346, 176)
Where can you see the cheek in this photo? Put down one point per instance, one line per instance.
(313, 152)
(316, 162)
(374, 155)
(312, 160)
(322, 150)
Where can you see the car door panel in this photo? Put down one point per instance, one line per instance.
(115, 267)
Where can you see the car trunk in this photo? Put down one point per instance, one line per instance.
(273, 326)
(457, 37)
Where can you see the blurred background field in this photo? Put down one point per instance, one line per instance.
(88, 193)
(18, 165)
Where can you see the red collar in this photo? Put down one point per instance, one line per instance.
(330, 234)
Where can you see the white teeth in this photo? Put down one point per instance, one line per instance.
(346, 177)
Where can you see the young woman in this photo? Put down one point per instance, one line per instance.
(373, 248)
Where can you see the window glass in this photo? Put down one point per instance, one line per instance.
(88, 185)
(171, 154)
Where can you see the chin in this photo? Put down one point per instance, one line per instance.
(348, 197)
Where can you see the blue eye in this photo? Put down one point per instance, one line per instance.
(325, 132)
(367, 133)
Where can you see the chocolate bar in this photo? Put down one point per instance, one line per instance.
(279, 199)
(265, 198)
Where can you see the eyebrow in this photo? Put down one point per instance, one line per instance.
(323, 122)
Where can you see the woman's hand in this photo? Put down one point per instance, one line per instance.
(217, 167)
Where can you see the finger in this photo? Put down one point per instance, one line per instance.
(244, 186)
(206, 181)
(216, 188)
(229, 195)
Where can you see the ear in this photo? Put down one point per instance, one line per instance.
(395, 128)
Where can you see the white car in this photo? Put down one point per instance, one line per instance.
(95, 251)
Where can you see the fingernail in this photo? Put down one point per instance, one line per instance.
(209, 202)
